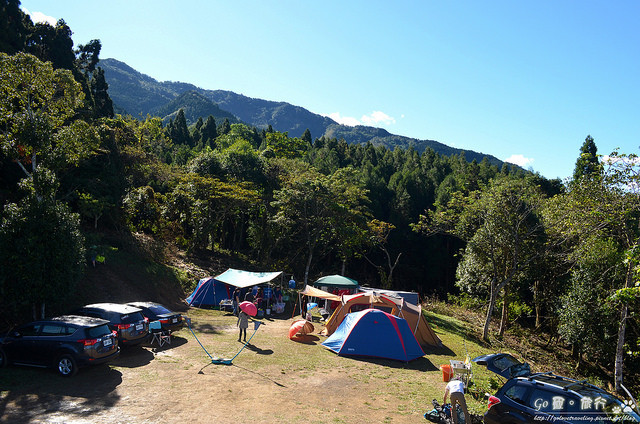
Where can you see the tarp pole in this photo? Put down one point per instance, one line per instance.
(196, 337)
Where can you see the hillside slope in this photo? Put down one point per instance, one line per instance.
(140, 95)
(195, 106)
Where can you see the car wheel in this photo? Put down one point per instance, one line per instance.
(66, 365)
(3, 358)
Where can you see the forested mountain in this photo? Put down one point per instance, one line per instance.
(139, 95)
(195, 106)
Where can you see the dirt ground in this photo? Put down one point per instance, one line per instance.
(273, 380)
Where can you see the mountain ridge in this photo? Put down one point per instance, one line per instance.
(139, 94)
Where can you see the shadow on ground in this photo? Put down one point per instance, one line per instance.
(29, 395)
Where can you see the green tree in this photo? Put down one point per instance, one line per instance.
(204, 206)
(284, 146)
(13, 32)
(178, 131)
(209, 132)
(379, 232)
(41, 249)
(306, 136)
(503, 231)
(308, 209)
(225, 127)
(587, 163)
(36, 105)
(605, 206)
(87, 57)
(52, 44)
(103, 105)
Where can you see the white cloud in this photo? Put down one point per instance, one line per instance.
(519, 160)
(39, 17)
(344, 120)
(374, 119)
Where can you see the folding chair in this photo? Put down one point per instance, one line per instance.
(158, 334)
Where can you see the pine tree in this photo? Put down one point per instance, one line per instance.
(587, 164)
(225, 128)
(103, 106)
(306, 137)
(209, 132)
(180, 132)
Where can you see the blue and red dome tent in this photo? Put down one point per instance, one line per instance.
(375, 333)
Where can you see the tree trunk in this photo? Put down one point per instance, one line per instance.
(620, 350)
(344, 266)
(505, 313)
(536, 303)
(492, 304)
(621, 334)
(307, 267)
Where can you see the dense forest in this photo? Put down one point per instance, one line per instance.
(560, 257)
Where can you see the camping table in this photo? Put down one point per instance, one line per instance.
(462, 370)
(226, 305)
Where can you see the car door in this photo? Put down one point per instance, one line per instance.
(49, 340)
(504, 365)
(21, 347)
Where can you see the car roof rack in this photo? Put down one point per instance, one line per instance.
(574, 384)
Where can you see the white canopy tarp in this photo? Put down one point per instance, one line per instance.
(242, 279)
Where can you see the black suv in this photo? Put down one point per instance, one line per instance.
(65, 343)
(128, 322)
(545, 397)
(169, 320)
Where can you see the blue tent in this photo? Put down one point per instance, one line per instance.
(375, 333)
(211, 290)
(209, 293)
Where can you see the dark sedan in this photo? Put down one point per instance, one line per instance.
(128, 322)
(64, 343)
(169, 320)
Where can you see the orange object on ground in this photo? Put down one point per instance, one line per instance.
(302, 327)
(447, 372)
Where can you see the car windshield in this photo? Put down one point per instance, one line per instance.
(99, 331)
(159, 310)
(131, 318)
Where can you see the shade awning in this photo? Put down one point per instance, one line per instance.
(314, 292)
(242, 279)
(336, 281)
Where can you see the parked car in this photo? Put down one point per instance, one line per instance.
(127, 321)
(64, 343)
(169, 320)
(529, 397)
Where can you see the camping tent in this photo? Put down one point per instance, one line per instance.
(374, 333)
(397, 306)
(209, 292)
(410, 297)
(212, 290)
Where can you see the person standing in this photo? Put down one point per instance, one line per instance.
(243, 324)
(303, 306)
(455, 389)
(236, 300)
(248, 297)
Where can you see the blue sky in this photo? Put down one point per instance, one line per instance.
(523, 81)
